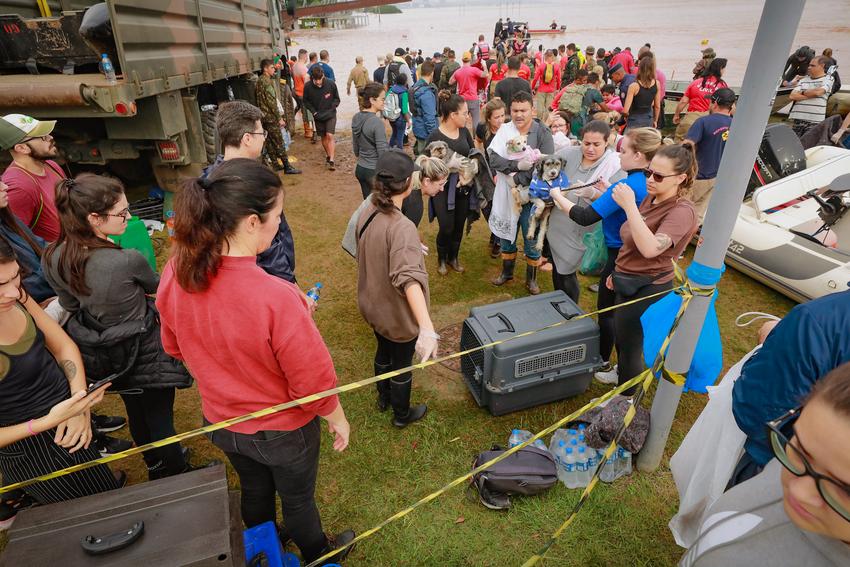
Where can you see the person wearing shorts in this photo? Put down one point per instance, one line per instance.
(321, 98)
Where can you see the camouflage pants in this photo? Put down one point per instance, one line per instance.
(288, 107)
(274, 148)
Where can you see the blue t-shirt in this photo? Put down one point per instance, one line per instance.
(710, 134)
(624, 86)
(329, 73)
(613, 216)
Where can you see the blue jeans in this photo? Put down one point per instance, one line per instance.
(528, 244)
(397, 136)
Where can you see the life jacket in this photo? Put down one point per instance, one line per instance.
(483, 50)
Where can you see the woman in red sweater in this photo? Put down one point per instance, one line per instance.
(250, 342)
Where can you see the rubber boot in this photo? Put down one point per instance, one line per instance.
(454, 264)
(442, 257)
(403, 413)
(289, 169)
(507, 273)
(383, 386)
(308, 131)
(531, 280)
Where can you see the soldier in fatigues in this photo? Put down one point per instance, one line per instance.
(272, 120)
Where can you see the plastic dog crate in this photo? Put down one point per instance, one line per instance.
(543, 367)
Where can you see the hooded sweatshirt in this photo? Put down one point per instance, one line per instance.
(369, 138)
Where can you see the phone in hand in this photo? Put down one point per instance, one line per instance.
(95, 385)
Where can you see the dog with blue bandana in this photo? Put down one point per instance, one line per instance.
(549, 174)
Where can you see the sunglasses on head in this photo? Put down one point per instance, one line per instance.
(657, 177)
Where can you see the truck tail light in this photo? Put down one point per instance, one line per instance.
(168, 150)
(125, 108)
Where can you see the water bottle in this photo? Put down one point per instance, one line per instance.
(108, 69)
(559, 435)
(314, 291)
(581, 441)
(624, 458)
(581, 428)
(581, 468)
(559, 451)
(572, 434)
(570, 479)
(609, 472)
(592, 462)
(518, 436)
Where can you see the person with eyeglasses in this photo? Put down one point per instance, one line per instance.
(113, 322)
(810, 96)
(797, 512)
(655, 234)
(33, 175)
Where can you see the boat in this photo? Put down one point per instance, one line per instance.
(556, 31)
(676, 90)
(793, 234)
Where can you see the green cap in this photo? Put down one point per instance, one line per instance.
(15, 128)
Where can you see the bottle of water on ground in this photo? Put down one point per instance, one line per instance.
(581, 468)
(609, 473)
(559, 452)
(592, 462)
(624, 462)
(570, 479)
(108, 69)
(315, 291)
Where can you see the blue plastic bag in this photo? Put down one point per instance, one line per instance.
(708, 356)
(596, 253)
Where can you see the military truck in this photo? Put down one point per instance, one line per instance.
(175, 61)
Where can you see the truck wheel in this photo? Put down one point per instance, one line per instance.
(208, 125)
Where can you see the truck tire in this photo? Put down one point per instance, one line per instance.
(208, 125)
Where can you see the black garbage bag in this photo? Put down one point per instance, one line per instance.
(604, 422)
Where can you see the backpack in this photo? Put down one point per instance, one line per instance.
(392, 106)
(527, 472)
(411, 97)
(571, 99)
(393, 71)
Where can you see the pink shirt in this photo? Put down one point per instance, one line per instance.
(30, 193)
(467, 81)
(697, 93)
(250, 343)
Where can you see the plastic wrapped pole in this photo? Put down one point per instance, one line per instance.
(776, 31)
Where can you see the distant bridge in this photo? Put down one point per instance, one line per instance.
(324, 9)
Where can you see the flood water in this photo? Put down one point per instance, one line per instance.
(674, 28)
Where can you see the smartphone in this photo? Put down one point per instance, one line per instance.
(95, 385)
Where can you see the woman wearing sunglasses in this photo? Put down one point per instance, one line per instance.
(114, 323)
(654, 235)
(796, 512)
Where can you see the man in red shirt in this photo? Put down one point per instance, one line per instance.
(466, 79)
(626, 59)
(33, 176)
(547, 79)
(524, 69)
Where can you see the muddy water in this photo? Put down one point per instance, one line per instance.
(675, 29)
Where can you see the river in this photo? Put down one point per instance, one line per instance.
(674, 28)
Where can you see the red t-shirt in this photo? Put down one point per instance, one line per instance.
(250, 343)
(30, 193)
(467, 81)
(497, 74)
(541, 85)
(524, 72)
(627, 60)
(697, 93)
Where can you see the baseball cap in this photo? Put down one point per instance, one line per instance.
(399, 51)
(394, 165)
(722, 96)
(14, 128)
(438, 54)
(615, 68)
(708, 51)
(467, 56)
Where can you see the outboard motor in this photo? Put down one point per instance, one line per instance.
(780, 155)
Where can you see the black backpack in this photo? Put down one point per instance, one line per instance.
(393, 71)
(411, 97)
(527, 472)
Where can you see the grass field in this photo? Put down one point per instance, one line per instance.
(385, 469)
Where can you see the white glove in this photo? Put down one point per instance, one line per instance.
(524, 164)
(585, 192)
(426, 344)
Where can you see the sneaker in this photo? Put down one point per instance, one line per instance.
(608, 375)
(107, 445)
(594, 287)
(10, 508)
(331, 165)
(107, 423)
(493, 500)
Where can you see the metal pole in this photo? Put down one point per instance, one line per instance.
(777, 27)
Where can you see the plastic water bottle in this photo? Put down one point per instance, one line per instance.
(624, 459)
(559, 451)
(581, 441)
(570, 479)
(609, 473)
(581, 468)
(108, 69)
(573, 434)
(581, 428)
(592, 463)
(314, 291)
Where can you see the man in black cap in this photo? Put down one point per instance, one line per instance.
(709, 135)
(398, 66)
(438, 66)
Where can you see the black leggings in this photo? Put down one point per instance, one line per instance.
(393, 355)
(629, 333)
(150, 416)
(451, 222)
(568, 283)
(412, 207)
(365, 176)
(606, 298)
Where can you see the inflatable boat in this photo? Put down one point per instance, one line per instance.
(792, 232)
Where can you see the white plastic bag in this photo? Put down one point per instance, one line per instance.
(706, 458)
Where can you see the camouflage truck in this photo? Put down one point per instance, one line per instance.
(175, 61)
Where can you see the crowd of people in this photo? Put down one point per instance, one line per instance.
(77, 309)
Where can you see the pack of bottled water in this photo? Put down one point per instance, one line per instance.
(521, 436)
(577, 462)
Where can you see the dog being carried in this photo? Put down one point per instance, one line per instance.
(548, 174)
(466, 168)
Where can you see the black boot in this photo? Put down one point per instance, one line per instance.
(288, 169)
(442, 257)
(507, 273)
(383, 386)
(403, 413)
(531, 280)
(454, 264)
(335, 542)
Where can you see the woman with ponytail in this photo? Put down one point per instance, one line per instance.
(368, 135)
(105, 288)
(251, 343)
(392, 283)
(655, 234)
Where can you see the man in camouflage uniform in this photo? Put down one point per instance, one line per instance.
(272, 119)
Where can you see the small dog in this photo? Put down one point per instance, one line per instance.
(548, 174)
(466, 168)
(518, 148)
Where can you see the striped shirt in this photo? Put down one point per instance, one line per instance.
(812, 109)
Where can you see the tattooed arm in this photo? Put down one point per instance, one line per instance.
(75, 432)
(648, 243)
